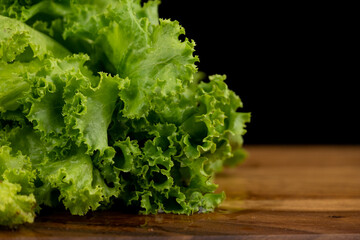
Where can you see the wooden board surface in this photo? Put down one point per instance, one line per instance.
(281, 192)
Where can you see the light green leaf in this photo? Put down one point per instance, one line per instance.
(15, 208)
(17, 40)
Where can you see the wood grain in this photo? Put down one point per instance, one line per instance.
(280, 192)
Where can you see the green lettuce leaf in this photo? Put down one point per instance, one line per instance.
(78, 193)
(17, 202)
(102, 105)
(17, 40)
(15, 208)
(22, 50)
(147, 51)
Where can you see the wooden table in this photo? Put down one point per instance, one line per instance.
(281, 192)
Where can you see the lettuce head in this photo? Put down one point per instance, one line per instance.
(102, 105)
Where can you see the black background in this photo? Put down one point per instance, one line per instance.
(295, 66)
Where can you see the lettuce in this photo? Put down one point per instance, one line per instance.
(102, 105)
(17, 201)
